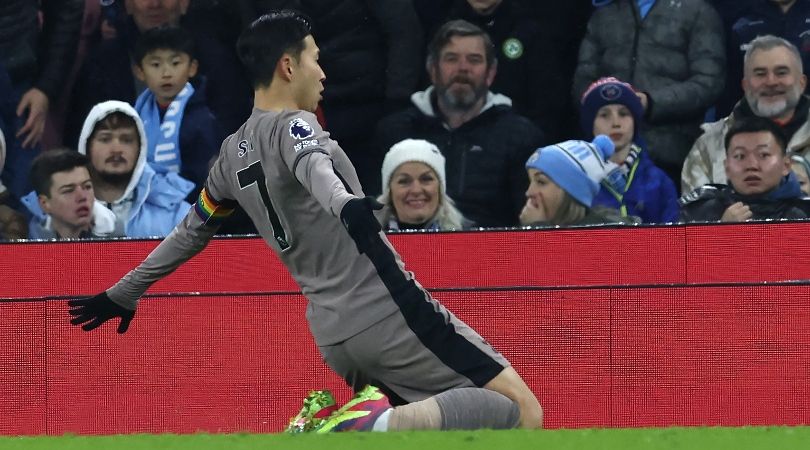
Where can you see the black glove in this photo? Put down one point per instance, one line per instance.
(357, 216)
(94, 311)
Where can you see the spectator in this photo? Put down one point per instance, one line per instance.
(483, 140)
(801, 167)
(415, 191)
(611, 107)
(673, 52)
(773, 84)
(58, 110)
(372, 51)
(529, 70)
(182, 134)
(760, 182)
(563, 181)
(107, 72)
(12, 223)
(33, 59)
(145, 203)
(62, 204)
(783, 18)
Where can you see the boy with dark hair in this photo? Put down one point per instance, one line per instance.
(63, 204)
(366, 312)
(761, 184)
(183, 135)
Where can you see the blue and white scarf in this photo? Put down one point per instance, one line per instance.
(163, 138)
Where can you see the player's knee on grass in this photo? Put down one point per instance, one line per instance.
(476, 408)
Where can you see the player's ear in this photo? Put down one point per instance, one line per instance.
(285, 67)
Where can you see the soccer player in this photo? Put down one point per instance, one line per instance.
(373, 323)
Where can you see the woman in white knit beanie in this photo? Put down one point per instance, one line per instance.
(415, 190)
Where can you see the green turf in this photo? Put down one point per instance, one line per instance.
(781, 438)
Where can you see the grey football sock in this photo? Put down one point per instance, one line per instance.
(422, 415)
(475, 408)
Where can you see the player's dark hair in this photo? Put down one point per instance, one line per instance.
(164, 37)
(50, 162)
(460, 28)
(269, 37)
(756, 124)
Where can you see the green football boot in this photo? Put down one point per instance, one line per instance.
(359, 414)
(318, 405)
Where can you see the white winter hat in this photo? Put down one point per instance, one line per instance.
(413, 150)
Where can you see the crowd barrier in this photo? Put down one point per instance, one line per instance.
(610, 327)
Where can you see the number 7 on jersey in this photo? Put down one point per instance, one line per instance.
(254, 174)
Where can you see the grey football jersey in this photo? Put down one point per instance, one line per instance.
(293, 181)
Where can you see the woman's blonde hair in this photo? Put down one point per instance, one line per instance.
(570, 211)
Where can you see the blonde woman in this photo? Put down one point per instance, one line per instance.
(415, 190)
(563, 181)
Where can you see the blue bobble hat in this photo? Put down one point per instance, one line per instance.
(609, 91)
(576, 166)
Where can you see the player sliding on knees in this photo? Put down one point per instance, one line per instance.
(366, 312)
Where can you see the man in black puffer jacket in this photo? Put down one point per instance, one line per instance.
(484, 141)
(761, 183)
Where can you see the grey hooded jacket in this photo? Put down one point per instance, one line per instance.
(676, 55)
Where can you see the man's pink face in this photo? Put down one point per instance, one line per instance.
(70, 200)
(150, 14)
(462, 75)
(484, 6)
(773, 83)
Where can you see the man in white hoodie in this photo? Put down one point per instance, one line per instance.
(484, 142)
(145, 203)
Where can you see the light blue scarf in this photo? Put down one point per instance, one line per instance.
(163, 138)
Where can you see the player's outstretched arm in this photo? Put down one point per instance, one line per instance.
(91, 312)
(186, 240)
(358, 217)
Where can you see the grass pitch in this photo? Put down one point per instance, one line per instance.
(754, 438)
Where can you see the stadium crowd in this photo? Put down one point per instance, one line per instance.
(456, 114)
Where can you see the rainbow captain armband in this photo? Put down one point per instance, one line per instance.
(211, 211)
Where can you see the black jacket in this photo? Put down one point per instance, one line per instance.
(485, 157)
(529, 65)
(371, 52)
(708, 203)
(41, 58)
